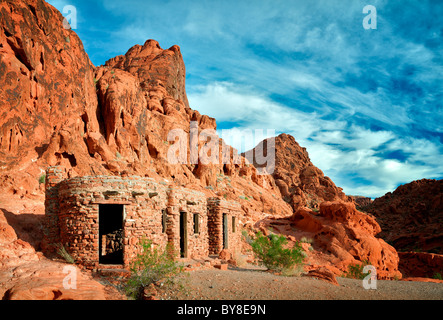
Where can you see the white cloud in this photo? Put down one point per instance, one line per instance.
(227, 102)
(348, 154)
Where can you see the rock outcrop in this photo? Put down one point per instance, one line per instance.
(13, 250)
(47, 85)
(301, 183)
(411, 217)
(347, 237)
(49, 280)
(361, 202)
(421, 264)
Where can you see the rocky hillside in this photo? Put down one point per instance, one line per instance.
(300, 182)
(59, 109)
(411, 217)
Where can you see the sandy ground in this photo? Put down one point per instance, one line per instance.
(244, 284)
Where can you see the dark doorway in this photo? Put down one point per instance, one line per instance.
(183, 235)
(225, 231)
(110, 221)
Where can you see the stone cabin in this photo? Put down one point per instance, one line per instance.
(101, 219)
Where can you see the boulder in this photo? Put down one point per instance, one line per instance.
(348, 236)
(325, 274)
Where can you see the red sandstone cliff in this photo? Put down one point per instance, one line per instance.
(411, 217)
(46, 86)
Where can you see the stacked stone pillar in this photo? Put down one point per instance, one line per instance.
(51, 231)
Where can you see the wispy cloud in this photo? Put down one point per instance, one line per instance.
(361, 160)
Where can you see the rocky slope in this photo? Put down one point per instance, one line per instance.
(411, 217)
(301, 184)
(337, 236)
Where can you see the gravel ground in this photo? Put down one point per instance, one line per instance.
(260, 285)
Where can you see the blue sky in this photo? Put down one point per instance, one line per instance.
(367, 104)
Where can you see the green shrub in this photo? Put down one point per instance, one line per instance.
(271, 253)
(64, 254)
(42, 178)
(355, 271)
(150, 266)
(438, 276)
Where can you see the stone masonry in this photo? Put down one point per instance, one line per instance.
(224, 217)
(100, 220)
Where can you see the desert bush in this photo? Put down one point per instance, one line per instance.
(438, 276)
(61, 250)
(355, 271)
(42, 178)
(150, 266)
(272, 253)
(306, 240)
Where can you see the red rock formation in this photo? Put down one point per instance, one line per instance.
(325, 274)
(300, 182)
(411, 217)
(421, 264)
(166, 69)
(361, 202)
(46, 85)
(48, 280)
(12, 249)
(347, 236)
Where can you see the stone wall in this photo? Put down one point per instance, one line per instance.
(79, 200)
(51, 236)
(188, 202)
(72, 216)
(217, 208)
